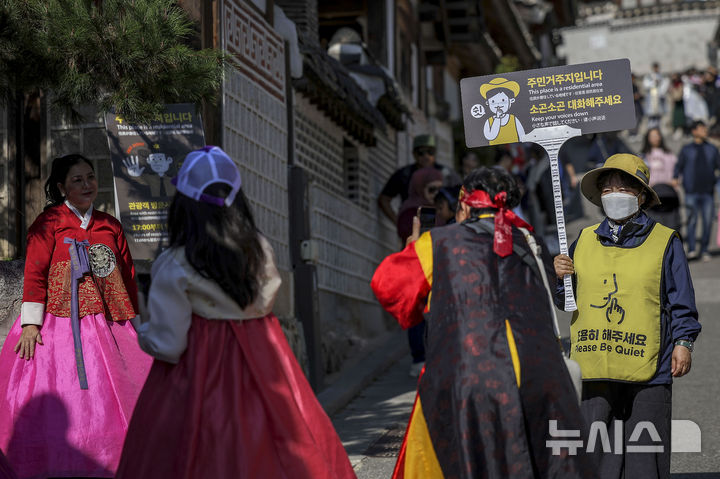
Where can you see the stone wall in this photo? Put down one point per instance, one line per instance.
(11, 278)
(677, 43)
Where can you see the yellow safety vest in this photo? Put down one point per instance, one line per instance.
(508, 132)
(616, 331)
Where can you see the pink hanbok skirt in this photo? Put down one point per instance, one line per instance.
(49, 427)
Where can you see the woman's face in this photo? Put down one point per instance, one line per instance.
(431, 189)
(616, 184)
(444, 213)
(654, 138)
(469, 163)
(80, 187)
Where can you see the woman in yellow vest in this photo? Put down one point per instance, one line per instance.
(635, 324)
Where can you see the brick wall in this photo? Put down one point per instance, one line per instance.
(319, 146)
(345, 179)
(352, 243)
(382, 161)
(255, 136)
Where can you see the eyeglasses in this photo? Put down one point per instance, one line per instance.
(432, 189)
(425, 151)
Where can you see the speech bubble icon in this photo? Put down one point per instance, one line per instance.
(477, 110)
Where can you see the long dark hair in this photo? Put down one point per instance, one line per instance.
(493, 181)
(646, 142)
(58, 174)
(221, 242)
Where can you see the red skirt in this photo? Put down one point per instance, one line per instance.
(237, 405)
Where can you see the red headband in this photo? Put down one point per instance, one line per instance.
(504, 218)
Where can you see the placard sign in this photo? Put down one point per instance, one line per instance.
(503, 108)
(548, 106)
(145, 158)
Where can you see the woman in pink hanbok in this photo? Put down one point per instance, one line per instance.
(71, 369)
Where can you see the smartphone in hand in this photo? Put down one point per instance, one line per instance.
(426, 214)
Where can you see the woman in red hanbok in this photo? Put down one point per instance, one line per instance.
(70, 368)
(225, 398)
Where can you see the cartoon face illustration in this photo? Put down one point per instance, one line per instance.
(501, 126)
(159, 163)
(499, 103)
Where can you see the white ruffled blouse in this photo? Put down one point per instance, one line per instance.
(178, 290)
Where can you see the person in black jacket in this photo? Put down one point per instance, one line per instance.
(698, 165)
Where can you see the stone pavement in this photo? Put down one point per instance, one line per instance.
(372, 426)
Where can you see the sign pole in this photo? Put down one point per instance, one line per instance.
(551, 139)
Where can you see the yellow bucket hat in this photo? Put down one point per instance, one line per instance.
(627, 163)
(499, 83)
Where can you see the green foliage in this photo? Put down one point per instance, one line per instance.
(508, 63)
(126, 55)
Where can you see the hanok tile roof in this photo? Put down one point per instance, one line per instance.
(329, 85)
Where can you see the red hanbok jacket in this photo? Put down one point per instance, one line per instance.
(110, 289)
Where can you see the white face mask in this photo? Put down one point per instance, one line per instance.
(619, 206)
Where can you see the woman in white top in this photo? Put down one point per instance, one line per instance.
(225, 397)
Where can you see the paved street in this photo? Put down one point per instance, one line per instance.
(372, 425)
(695, 396)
